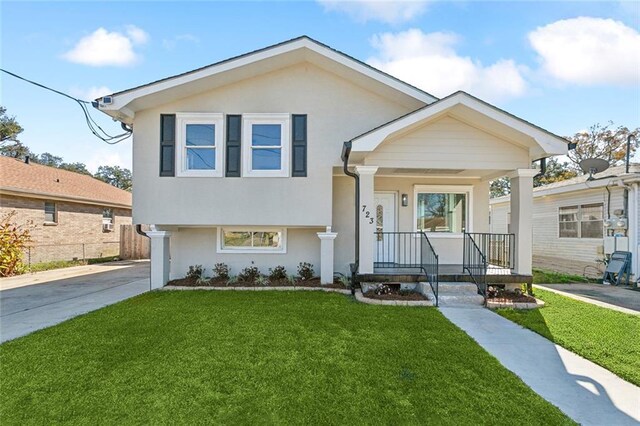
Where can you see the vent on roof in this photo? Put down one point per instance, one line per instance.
(428, 171)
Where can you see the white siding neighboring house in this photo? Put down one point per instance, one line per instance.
(569, 221)
(240, 162)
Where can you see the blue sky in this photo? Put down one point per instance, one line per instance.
(561, 65)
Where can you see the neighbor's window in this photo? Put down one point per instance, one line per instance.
(234, 240)
(107, 215)
(583, 221)
(441, 212)
(199, 144)
(50, 213)
(266, 144)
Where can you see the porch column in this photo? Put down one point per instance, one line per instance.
(160, 264)
(521, 217)
(326, 255)
(367, 217)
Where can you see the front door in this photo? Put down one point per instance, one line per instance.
(385, 211)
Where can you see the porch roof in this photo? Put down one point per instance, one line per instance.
(467, 108)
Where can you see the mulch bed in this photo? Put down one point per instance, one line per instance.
(396, 295)
(219, 282)
(513, 297)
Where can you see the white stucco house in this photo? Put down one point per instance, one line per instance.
(578, 221)
(243, 162)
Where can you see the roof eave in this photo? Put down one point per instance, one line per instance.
(119, 107)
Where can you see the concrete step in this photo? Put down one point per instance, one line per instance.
(458, 288)
(460, 300)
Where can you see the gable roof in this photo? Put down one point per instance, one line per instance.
(38, 181)
(473, 109)
(126, 102)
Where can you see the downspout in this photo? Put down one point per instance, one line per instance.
(346, 152)
(144, 234)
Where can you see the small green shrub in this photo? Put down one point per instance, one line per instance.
(14, 239)
(195, 271)
(232, 280)
(248, 274)
(345, 281)
(221, 270)
(291, 280)
(262, 281)
(277, 273)
(305, 271)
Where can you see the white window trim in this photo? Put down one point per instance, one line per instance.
(467, 190)
(220, 240)
(248, 120)
(182, 120)
(580, 237)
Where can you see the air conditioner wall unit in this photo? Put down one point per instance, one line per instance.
(107, 227)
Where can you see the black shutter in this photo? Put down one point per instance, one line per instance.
(167, 144)
(299, 146)
(234, 133)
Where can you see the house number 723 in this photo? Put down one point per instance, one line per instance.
(367, 214)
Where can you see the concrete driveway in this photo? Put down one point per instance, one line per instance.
(34, 301)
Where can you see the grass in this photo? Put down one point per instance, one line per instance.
(607, 337)
(260, 357)
(59, 264)
(541, 276)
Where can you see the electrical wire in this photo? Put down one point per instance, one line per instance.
(93, 126)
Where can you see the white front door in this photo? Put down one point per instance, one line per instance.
(385, 216)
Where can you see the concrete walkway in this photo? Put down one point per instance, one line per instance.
(35, 301)
(621, 299)
(586, 392)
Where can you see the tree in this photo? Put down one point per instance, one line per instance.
(75, 167)
(500, 187)
(115, 175)
(9, 127)
(603, 142)
(47, 159)
(556, 171)
(17, 150)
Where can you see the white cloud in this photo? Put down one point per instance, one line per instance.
(392, 12)
(115, 155)
(430, 62)
(104, 48)
(589, 51)
(170, 44)
(91, 93)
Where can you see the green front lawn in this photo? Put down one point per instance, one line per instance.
(607, 337)
(541, 276)
(260, 357)
(59, 264)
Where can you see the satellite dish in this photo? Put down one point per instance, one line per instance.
(594, 166)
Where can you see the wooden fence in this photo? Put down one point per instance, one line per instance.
(132, 244)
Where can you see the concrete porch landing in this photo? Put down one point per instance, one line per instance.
(446, 273)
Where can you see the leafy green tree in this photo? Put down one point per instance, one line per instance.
(75, 167)
(116, 176)
(9, 127)
(47, 159)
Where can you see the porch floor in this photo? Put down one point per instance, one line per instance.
(446, 273)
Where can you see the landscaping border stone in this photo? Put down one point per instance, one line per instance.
(256, 288)
(514, 305)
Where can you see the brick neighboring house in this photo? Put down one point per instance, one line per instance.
(74, 215)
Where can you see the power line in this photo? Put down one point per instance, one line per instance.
(94, 127)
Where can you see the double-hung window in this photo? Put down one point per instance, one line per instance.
(266, 145)
(583, 221)
(199, 144)
(50, 212)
